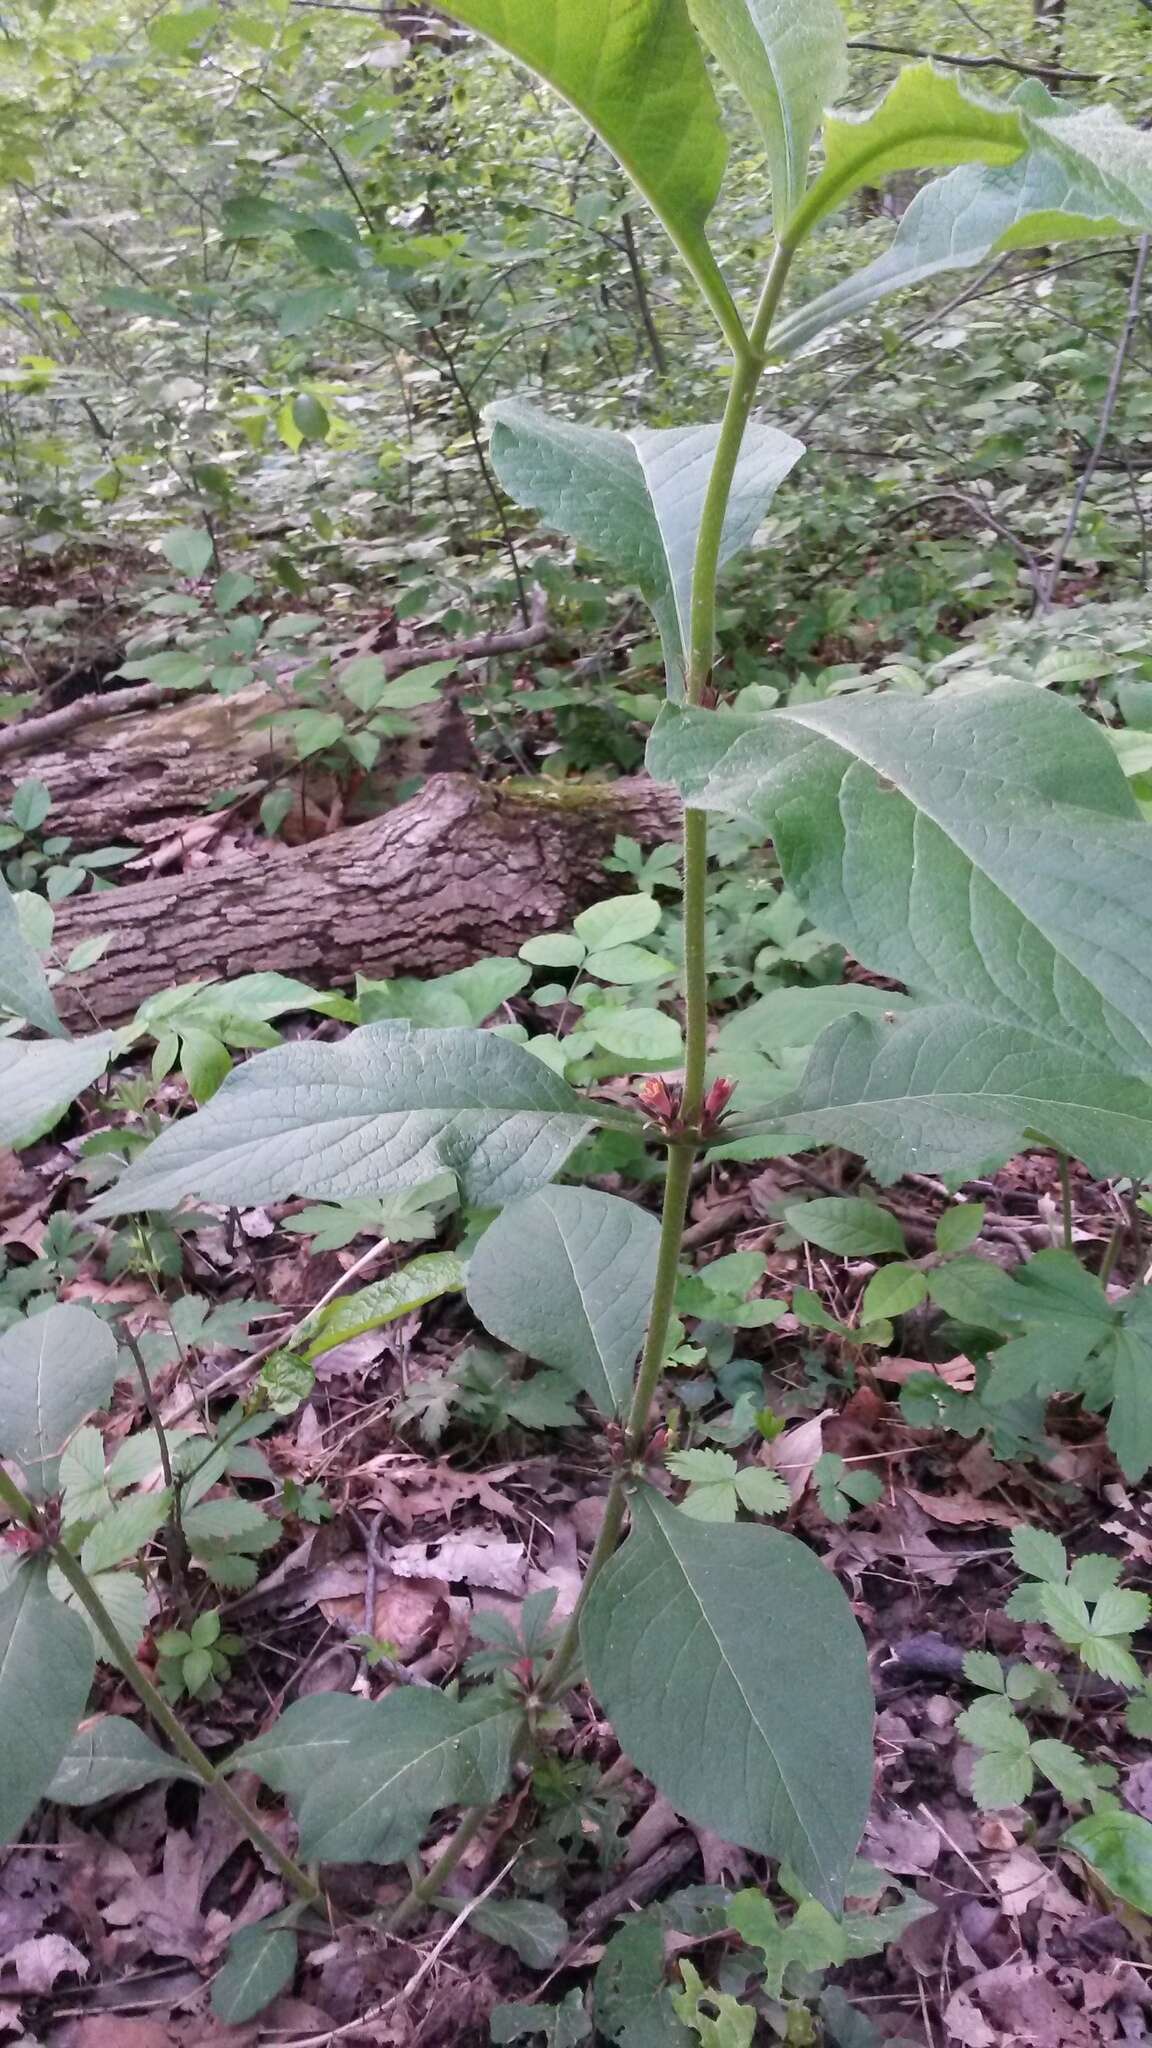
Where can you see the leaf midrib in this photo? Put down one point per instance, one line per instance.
(662, 1530)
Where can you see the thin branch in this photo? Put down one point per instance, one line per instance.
(977, 63)
(1047, 591)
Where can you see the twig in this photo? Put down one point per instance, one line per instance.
(643, 302)
(237, 1374)
(976, 63)
(415, 1980)
(1047, 590)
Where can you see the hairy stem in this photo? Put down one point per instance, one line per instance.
(157, 1706)
(423, 1893)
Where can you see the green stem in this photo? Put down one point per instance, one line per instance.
(423, 1893)
(154, 1701)
(1065, 1198)
(558, 1675)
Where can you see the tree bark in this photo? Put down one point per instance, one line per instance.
(464, 870)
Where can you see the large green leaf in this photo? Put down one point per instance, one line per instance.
(1118, 1848)
(422, 1752)
(55, 1369)
(734, 1674)
(567, 1276)
(38, 1081)
(635, 71)
(925, 121)
(308, 1738)
(959, 221)
(46, 1667)
(637, 498)
(110, 1757)
(790, 62)
(982, 849)
(261, 1964)
(23, 985)
(385, 1109)
(946, 1090)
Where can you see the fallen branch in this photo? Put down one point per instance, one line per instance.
(466, 869)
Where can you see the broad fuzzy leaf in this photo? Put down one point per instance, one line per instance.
(982, 849)
(734, 1675)
(957, 222)
(39, 1081)
(261, 1963)
(790, 63)
(109, 1757)
(567, 1276)
(385, 1109)
(55, 1369)
(925, 121)
(635, 71)
(422, 1752)
(1118, 1848)
(23, 986)
(637, 498)
(46, 1666)
(309, 1737)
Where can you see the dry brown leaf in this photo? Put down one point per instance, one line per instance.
(408, 1613)
(474, 1560)
(898, 1842)
(955, 1372)
(1022, 1880)
(108, 2031)
(960, 1510)
(38, 1963)
(795, 1454)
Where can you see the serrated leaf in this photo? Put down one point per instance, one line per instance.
(385, 1109)
(123, 1532)
(633, 2004)
(637, 75)
(982, 1668)
(55, 1369)
(1063, 1768)
(762, 1492)
(1040, 1025)
(790, 63)
(109, 1757)
(847, 1225)
(46, 1668)
(567, 1276)
(1002, 1779)
(1118, 1847)
(261, 1963)
(422, 1280)
(681, 1636)
(637, 499)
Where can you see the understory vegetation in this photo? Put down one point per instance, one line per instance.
(575, 1024)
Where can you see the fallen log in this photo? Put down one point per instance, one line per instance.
(464, 870)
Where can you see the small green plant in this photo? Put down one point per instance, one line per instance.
(46, 863)
(933, 840)
(196, 1660)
